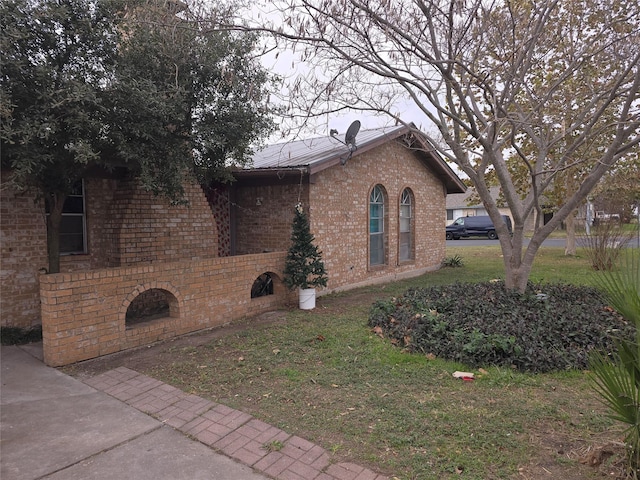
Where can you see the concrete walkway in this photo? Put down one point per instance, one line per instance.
(123, 424)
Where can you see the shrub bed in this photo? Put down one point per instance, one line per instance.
(549, 327)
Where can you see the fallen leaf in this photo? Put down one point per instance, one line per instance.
(276, 351)
(483, 371)
(378, 331)
(430, 356)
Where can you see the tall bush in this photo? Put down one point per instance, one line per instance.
(605, 243)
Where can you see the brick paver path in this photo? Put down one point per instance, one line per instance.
(232, 432)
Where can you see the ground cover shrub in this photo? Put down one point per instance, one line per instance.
(548, 328)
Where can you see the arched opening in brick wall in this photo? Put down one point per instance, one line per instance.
(150, 305)
(263, 285)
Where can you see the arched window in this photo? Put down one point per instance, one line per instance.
(376, 226)
(405, 218)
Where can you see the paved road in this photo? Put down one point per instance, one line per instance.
(479, 242)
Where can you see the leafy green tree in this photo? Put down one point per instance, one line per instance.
(498, 81)
(55, 60)
(148, 87)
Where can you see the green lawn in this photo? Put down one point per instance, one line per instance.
(325, 376)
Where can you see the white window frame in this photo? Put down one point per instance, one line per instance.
(405, 236)
(377, 239)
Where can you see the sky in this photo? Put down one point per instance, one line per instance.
(287, 64)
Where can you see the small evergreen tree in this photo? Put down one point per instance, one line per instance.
(303, 267)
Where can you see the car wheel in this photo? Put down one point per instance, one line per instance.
(492, 235)
(449, 236)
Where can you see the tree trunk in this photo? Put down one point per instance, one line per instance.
(518, 262)
(570, 223)
(516, 278)
(55, 202)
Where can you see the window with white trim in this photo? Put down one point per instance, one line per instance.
(376, 226)
(405, 248)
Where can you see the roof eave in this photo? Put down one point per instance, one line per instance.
(447, 176)
(283, 174)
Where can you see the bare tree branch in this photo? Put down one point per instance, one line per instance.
(528, 93)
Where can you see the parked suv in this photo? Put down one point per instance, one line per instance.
(475, 227)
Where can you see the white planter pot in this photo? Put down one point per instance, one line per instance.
(307, 298)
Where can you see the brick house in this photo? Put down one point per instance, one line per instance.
(137, 270)
(377, 217)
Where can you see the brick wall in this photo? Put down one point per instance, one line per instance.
(339, 205)
(140, 227)
(125, 225)
(23, 240)
(83, 313)
(263, 216)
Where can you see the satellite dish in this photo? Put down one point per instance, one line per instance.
(350, 136)
(350, 140)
